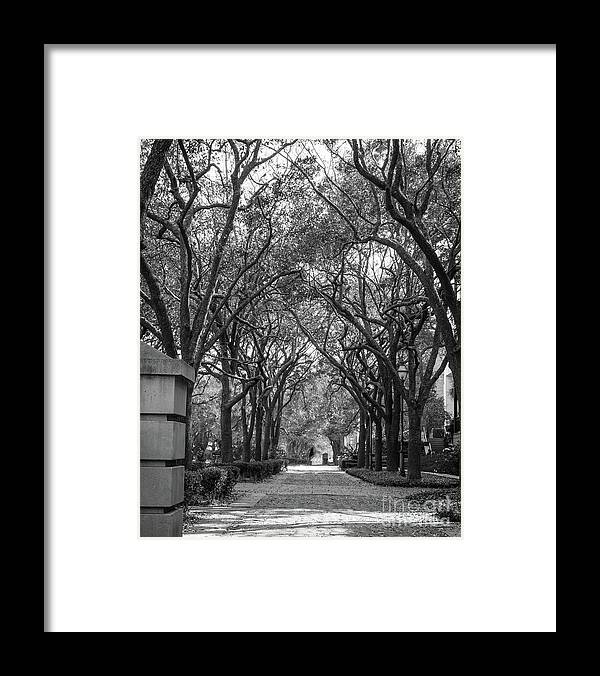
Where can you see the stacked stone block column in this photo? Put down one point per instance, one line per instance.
(164, 385)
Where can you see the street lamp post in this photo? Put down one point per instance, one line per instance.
(456, 413)
(402, 372)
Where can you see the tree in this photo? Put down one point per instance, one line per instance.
(186, 225)
(409, 190)
(299, 279)
(426, 258)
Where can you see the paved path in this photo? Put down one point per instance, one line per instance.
(321, 501)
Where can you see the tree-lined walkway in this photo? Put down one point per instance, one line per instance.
(322, 501)
(312, 285)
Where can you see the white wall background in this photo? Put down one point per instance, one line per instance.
(502, 103)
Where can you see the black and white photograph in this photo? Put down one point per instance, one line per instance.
(300, 328)
(300, 351)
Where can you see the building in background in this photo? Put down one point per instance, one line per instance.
(444, 388)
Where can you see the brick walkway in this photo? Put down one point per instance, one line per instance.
(320, 501)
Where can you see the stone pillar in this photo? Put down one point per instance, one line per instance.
(163, 397)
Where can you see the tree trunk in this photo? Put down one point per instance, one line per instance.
(361, 439)
(378, 444)
(414, 443)
(392, 427)
(401, 430)
(336, 447)
(266, 434)
(259, 430)
(246, 435)
(149, 177)
(368, 441)
(226, 436)
(454, 364)
(151, 172)
(276, 433)
(226, 431)
(391, 439)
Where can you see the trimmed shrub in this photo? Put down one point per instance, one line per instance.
(232, 476)
(394, 479)
(442, 462)
(249, 470)
(259, 470)
(274, 466)
(243, 468)
(209, 484)
(212, 481)
(192, 494)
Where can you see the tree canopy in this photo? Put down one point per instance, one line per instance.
(314, 287)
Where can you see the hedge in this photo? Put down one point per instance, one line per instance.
(442, 462)
(259, 470)
(385, 478)
(211, 483)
